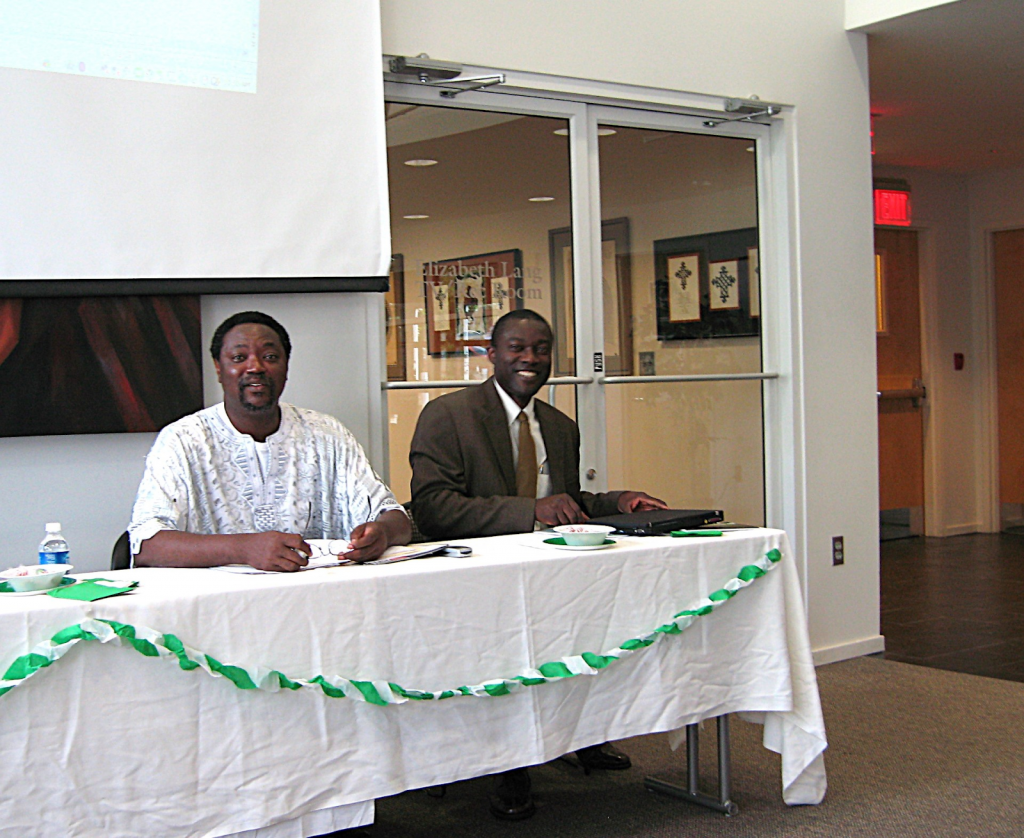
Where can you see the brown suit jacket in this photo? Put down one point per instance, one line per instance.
(463, 475)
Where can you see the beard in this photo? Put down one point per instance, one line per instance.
(271, 403)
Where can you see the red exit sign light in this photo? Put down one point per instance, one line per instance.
(892, 207)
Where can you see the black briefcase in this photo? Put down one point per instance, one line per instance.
(660, 521)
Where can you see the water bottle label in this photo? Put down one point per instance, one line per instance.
(53, 558)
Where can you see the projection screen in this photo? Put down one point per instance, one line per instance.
(160, 140)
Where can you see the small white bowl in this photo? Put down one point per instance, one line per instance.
(34, 577)
(584, 535)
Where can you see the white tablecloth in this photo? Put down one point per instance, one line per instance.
(108, 742)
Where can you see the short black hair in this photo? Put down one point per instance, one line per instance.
(515, 316)
(258, 317)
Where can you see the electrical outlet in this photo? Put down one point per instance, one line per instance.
(837, 550)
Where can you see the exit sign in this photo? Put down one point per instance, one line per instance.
(892, 207)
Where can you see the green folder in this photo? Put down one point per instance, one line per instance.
(90, 590)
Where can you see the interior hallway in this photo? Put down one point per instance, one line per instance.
(955, 603)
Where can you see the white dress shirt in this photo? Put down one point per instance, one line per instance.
(512, 414)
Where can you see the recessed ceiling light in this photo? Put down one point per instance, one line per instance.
(421, 163)
(540, 199)
(601, 132)
(415, 217)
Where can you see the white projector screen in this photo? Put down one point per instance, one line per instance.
(106, 178)
(191, 42)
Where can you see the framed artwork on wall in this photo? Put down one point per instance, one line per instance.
(618, 298)
(466, 296)
(708, 286)
(394, 318)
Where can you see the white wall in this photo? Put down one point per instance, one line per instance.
(88, 482)
(793, 52)
(863, 13)
(952, 445)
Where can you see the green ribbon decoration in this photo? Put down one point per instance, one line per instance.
(154, 644)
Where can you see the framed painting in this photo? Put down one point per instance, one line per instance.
(466, 296)
(394, 319)
(98, 365)
(708, 286)
(618, 298)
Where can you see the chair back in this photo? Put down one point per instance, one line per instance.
(120, 556)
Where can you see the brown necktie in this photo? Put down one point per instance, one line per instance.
(526, 467)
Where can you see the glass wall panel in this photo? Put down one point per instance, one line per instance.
(697, 445)
(692, 307)
(480, 203)
(404, 408)
(685, 207)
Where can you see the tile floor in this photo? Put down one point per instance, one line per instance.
(956, 603)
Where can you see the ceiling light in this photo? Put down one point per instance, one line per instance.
(415, 217)
(601, 132)
(421, 164)
(540, 199)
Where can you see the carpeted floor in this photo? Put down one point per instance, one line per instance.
(912, 752)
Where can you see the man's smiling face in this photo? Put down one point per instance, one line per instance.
(252, 369)
(522, 358)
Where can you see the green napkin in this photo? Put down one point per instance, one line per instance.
(695, 533)
(90, 590)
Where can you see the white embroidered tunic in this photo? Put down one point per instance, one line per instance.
(204, 476)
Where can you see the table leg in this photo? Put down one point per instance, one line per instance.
(692, 792)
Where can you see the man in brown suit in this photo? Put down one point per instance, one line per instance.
(490, 460)
(464, 451)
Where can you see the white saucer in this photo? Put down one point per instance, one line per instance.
(67, 580)
(608, 543)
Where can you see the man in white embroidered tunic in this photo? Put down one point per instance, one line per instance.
(248, 480)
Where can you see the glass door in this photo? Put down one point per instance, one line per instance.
(682, 311)
(636, 234)
(481, 221)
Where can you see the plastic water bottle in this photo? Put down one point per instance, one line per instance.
(53, 549)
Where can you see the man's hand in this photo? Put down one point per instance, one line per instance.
(639, 502)
(558, 509)
(368, 540)
(263, 550)
(371, 539)
(273, 550)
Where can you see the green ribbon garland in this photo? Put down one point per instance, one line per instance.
(154, 644)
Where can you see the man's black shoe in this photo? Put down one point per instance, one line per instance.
(603, 757)
(512, 800)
